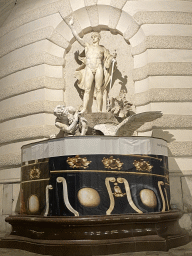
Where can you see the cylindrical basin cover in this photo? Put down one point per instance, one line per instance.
(97, 175)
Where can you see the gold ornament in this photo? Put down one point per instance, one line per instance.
(34, 173)
(78, 162)
(112, 163)
(142, 165)
(117, 191)
(88, 197)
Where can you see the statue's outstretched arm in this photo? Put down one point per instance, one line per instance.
(79, 39)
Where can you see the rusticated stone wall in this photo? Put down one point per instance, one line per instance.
(34, 42)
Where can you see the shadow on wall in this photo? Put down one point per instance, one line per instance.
(180, 182)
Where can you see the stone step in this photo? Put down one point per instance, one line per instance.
(185, 250)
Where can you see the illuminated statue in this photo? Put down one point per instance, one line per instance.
(97, 67)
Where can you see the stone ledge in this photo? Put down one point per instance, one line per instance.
(29, 16)
(163, 69)
(181, 148)
(59, 40)
(163, 95)
(132, 7)
(10, 160)
(163, 17)
(27, 39)
(163, 42)
(27, 133)
(31, 61)
(35, 107)
(35, 83)
(35, 36)
(168, 122)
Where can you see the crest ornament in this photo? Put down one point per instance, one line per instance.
(117, 190)
(34, 173)
(142, 165)
(78, 162)
(112, 163)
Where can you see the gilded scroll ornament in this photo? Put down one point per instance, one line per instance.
(34, 173)
(78, 162)
(142, 165)
(112, 163)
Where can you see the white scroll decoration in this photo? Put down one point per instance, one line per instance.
(128, 192)
(162, 196)
(48, 187)
(65, 195)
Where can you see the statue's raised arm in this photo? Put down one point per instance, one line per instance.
(79, 39)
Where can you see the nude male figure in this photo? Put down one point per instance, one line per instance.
(96, 62)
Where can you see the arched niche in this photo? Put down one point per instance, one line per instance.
(113, 37)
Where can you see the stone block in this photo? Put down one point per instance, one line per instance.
(3, 224)
(7, 198)
(185, 222)
(103, 2)
(176, 192)
(133, 7)
(104, 12)
(173, 108)
(180, 163)
(187, 194)
(76, 5)
(93, 15)
(124, 21)
(22, 78)
(1, 199)
(170, 81)
(16, 199)
(50, 20)
(138, 38)
(167, 29)
(83, 19)
(8, 176)
(65, 31)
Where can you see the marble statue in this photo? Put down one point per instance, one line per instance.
(119, 106)
(129, 125)
(97, 68)
(69, 121)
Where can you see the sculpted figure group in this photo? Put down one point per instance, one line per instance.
(69, 122)
(97, 68)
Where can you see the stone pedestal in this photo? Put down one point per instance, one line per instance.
(94, 196)
(96, 235)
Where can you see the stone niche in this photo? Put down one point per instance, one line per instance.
(122, 76)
